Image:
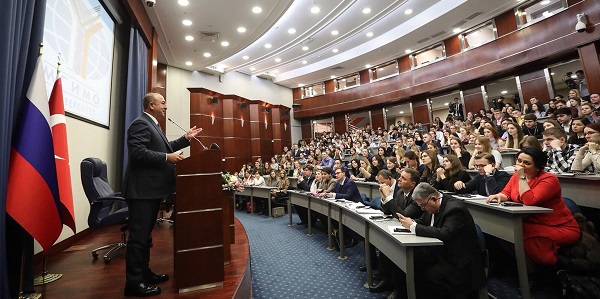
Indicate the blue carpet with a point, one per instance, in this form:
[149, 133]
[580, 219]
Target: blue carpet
[287, 263]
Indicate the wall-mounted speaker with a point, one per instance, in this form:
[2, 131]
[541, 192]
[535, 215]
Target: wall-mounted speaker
[267, 109]
[243, 105]
[214, 100]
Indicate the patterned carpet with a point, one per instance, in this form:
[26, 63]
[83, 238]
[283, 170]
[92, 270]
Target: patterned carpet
[287, 263]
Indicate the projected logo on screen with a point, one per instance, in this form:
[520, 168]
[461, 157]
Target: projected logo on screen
[82, 32]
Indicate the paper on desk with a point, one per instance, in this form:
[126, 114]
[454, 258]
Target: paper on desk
[391, 228]
[367, 211]
[473, 196]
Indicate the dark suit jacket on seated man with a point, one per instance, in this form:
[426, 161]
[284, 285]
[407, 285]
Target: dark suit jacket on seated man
[345, 188]
[149, 178]
[454, 269]
[488, 181]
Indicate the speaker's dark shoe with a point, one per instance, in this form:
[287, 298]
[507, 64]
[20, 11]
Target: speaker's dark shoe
[382, 286]
[363, 268]
[141, 290]
[156, 278]
[351, 243]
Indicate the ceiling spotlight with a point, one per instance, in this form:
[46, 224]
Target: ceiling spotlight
[186, 22]
[291, 31]
[256, 9]
[188, 63]
[268, 46]
[334, 50]
[300, 84]
[408, 11]
[504, 92]
[457, 30]
[315, 9]
[183, 2]
[241, 29]
[367, 65]
[224, 43]
[189, 38]
[245, 57]
[446, 104]
[366, 10]
[545, 2]
[335, 32]
[400, 112]
[331, 77]
[206, 54]
[369, 34]
[304, 48]
[408, 51]
[253, 69]
[304, 62]
[277, 59]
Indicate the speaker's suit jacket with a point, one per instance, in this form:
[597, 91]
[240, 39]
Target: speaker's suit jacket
[458, 262]
[148, 174]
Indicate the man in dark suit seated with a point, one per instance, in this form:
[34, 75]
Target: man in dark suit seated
[402, 203]
[345, 188]
[149, 178]
[488, 181]
[304, 183]
[455, 269]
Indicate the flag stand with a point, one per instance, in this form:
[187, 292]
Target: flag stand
[22, 274]
[46, 277]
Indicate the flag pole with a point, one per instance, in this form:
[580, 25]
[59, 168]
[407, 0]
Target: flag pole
[46, 277]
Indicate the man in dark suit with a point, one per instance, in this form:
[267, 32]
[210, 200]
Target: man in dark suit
[149, 178]
[455, 269]
[304, 183]
[402, 203]
[488, 181]
[344, 188]
[456, 108]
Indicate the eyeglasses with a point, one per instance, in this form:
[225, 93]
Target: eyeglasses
[422, 206]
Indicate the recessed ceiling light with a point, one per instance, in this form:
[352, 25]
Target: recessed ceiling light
[275, 71]
[408, 51]
[331, 77]
[206, 54]
[545, 2]
[446, 104]
[400, 112]
[457, 30]
[300, 84]
[304, 62]
[504, 92]
[304, 48]
[277, 59]
[367, 65]
[366, 10]
[183, 2]
[268, 46]
[256, 9]
[245, 57]
[189, 38]
[241, 29]
[224, 43]
[315, 9]
[551, 74]
[335, 32]
[188, 63]
[334, 50]
[291, 31]
[186, 22]
[253, 69]
[369, 34]
[408, 11]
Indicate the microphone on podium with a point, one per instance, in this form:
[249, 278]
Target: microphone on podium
[184, 130]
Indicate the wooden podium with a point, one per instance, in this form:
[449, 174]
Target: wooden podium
[199, 241]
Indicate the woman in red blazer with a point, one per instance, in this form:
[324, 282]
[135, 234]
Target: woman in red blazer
[543, 234]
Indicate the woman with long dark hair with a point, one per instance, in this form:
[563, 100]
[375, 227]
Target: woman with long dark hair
[451, 172]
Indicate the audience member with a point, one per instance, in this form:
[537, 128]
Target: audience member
[588, 156]
[451, 172]
[531, 126]
[560, 153]
[489, 180]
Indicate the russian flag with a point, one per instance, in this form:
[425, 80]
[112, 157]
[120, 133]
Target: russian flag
[61, 154]
[32, 195]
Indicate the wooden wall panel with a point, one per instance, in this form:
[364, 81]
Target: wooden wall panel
[421, 112]
[329, 86]
[506, 23]
[377, 118]
[473, 99]
[277, 129]
[591, 66]
[404, 64]
[365, 77]
[452, 46]
[297, 93]
[138, 14]
[286, 134]
[306, 127]
[339, 123]
[517, 52]
[534, 85]
[255, 123]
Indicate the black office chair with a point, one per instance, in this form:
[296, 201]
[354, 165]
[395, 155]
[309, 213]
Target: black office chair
[106, 206]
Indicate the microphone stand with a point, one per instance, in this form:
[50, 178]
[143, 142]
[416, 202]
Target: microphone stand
[187, 132]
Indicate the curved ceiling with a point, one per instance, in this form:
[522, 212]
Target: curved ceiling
[303, 41]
